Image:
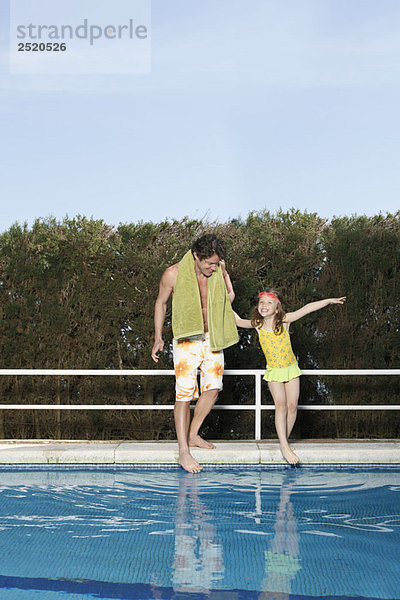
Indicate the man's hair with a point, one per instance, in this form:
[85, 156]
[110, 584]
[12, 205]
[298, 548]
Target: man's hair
[207, 245]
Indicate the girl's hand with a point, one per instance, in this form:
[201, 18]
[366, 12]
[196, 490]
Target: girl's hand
[341, 300]
[228, 282]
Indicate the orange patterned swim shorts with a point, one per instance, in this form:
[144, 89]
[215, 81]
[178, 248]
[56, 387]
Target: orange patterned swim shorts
[191, 354]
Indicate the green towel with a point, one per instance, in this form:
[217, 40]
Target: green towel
[187, 317]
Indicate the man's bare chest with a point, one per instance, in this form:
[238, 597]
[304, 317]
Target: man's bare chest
[203, 291]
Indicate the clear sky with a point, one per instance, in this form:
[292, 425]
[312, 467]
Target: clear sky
[249, 105]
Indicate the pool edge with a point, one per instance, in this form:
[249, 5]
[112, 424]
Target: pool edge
[246, 453]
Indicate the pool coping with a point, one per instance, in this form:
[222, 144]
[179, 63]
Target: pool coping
[329, 452]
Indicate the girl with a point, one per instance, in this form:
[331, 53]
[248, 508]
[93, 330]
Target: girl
[282, 374]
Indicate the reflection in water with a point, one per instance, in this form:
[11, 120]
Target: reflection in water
[222, 535]
[198, 562]
[282, 561]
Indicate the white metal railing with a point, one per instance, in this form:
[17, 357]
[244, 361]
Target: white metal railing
[256, 373]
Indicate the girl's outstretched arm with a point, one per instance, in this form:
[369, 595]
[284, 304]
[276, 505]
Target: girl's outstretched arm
[242, 322]
[312, 307]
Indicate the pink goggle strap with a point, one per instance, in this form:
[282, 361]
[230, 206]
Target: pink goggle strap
[270, 295]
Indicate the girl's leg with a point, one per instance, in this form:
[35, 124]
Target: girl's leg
[278, 392]
[292, 389]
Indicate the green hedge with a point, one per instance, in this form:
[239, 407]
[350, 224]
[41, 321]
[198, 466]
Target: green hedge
[80, 294]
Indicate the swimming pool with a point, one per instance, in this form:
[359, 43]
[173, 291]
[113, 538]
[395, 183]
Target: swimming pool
[234, 534]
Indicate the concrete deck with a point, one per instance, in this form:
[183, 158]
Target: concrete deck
[226, 452]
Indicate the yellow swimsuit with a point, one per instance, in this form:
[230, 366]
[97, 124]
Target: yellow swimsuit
[281, 361]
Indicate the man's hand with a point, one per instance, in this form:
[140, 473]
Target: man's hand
[158, 346]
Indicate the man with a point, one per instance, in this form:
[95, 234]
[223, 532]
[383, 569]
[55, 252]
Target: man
[203, 325]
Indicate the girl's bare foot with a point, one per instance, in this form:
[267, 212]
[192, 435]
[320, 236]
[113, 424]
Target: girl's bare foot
[196, 440]
[289, 455]
[188, 463]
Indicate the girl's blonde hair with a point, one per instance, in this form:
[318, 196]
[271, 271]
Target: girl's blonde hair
[257, 320]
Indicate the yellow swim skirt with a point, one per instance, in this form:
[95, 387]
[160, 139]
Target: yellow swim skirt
[283, 375]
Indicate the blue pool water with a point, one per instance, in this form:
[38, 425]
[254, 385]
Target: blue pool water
[223, 534]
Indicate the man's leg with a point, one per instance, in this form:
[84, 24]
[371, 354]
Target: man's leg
[211, 369]
[186, 359]
[182, 419]
[203, 406]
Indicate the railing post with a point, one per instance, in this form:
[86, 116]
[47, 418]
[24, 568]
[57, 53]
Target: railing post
[258, 407]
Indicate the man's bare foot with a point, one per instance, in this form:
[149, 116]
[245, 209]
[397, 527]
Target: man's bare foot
[188, 463]
[198, 441]
[289, 455]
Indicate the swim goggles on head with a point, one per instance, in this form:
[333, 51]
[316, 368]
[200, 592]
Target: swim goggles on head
[270, 295]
